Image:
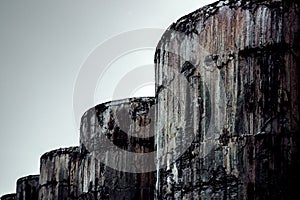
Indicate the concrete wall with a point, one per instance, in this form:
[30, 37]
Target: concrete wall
[59, 174]
[9, 197]
[28, 187]
[125, 124]
[227, 76]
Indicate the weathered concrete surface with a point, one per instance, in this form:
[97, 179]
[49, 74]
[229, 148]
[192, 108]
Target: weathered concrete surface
[229, 79]
[12, 196]
[227, 90]
[127, 125]
[28, 187]
[59, 174]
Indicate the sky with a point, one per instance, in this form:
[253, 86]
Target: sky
[43, 47]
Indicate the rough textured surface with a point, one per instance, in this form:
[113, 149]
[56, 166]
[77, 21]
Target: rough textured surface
[9, 197]
[226, 117]
[121, 122]
[59, 174]
[236, 66]
[28, 187]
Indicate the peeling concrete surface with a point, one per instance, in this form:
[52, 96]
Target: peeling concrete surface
[28, 187]
[59, 174]
[235, 63]
[127, 125]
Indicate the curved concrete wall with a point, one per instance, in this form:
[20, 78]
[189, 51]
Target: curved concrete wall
[9, 197]
[59, 174]
[227, 76]
[125, 124]
[28, 187]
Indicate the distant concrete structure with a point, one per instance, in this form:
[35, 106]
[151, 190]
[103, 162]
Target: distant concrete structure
[28, 187]
[12, 196]
[59, 174]
[126, 124]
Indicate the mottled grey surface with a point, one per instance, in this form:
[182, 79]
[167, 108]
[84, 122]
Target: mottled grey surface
[59, 174]
[230, 74]
[128, 125]
[28, 187]
[79, 173]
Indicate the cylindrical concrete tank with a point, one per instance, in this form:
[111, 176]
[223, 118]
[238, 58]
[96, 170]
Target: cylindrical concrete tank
[117, 147]
[12, 196]
[28, 187]
[227, 82]
[59, 174]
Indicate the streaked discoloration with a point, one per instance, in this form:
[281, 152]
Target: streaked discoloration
[241, 99]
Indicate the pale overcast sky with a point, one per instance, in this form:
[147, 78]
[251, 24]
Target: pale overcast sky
[43, 45]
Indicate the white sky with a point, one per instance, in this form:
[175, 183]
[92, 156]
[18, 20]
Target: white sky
[43, 44]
